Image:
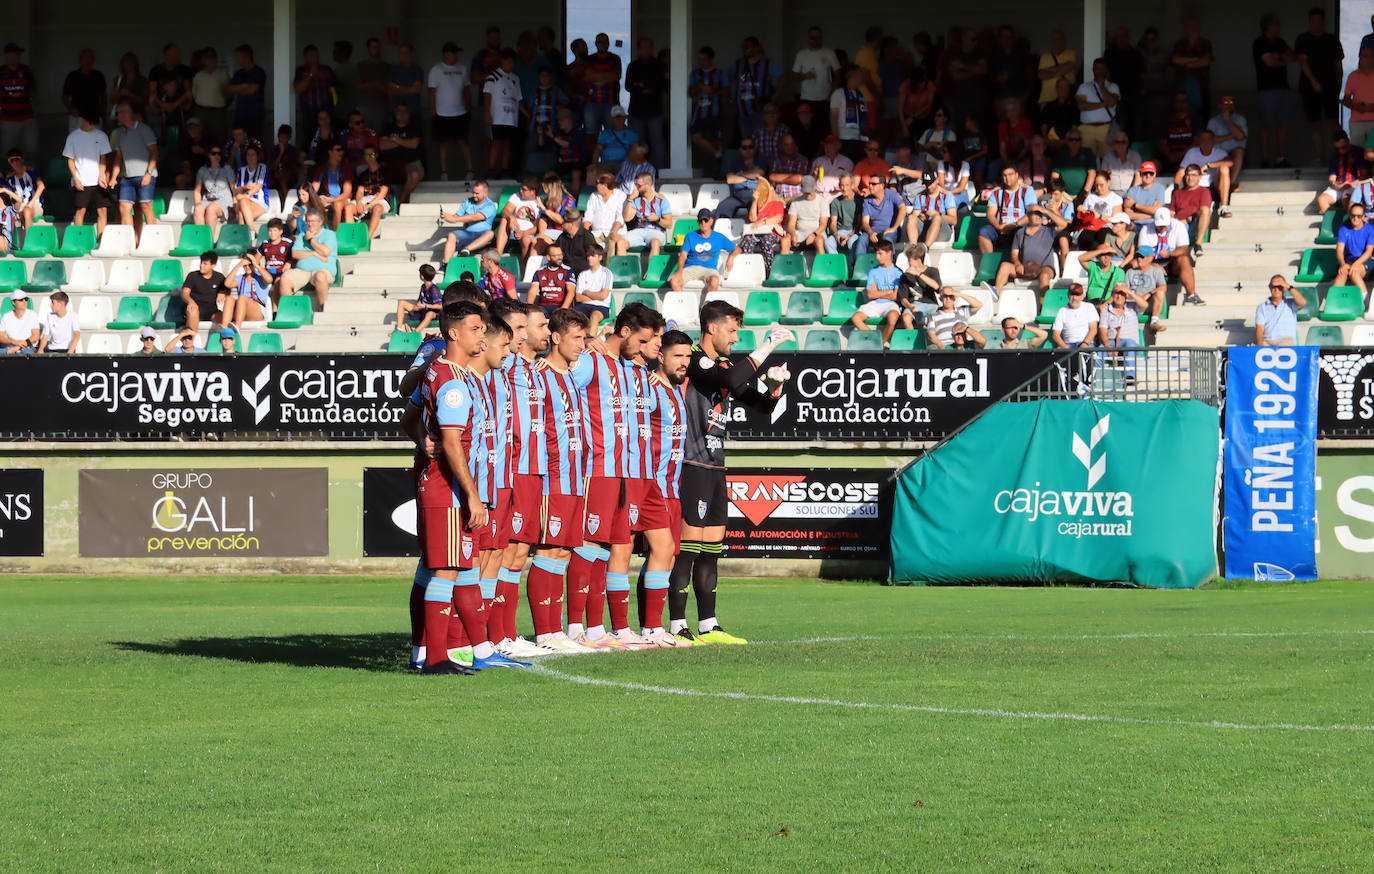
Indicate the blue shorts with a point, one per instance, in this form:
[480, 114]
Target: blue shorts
[463, 238]
[644, 236]
[1003, 239]
[130, 191]
[587, 309]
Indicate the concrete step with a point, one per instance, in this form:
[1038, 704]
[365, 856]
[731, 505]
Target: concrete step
[419, 211]
[380, 264]
[357, 303]
[1298, 237]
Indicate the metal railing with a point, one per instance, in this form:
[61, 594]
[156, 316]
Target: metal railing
[1134, 374]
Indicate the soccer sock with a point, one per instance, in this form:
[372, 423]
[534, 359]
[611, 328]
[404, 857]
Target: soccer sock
[417, 606]
[495, 623]
[639, 592]
[508, 593]
[618, 597]
[458, 630]
[543, 587]
[680, 580]
[704, 584]
[596, 595]
[580, 583]
[655, 593]
[467, 599]
[438, 610]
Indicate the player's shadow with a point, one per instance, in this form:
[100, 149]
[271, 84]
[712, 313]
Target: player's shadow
[359, 652]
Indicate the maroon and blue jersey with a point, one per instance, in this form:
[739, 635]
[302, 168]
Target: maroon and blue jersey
[667, 431]
[445, 399]
[564, 424]
[499, 383]
[708, 105]
[433, 344]
[482, 459]
[598, 378]
[639, 403]
[528, 442]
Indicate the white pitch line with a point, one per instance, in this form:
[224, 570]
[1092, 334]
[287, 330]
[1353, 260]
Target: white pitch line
[1134, 635]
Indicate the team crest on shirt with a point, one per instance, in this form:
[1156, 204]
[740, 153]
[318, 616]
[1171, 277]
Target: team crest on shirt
[453, 398]
[517, 521]
[634, 514]
[701, 509]
[593, 523]
[555, 525]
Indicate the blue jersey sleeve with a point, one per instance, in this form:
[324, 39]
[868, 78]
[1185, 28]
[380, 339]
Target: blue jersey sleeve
[426, 351]
[584, 371]
[453, 404]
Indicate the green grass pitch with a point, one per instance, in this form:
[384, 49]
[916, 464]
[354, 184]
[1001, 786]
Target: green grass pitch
[267, 724]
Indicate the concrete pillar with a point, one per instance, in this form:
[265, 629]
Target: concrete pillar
[1094, 33]
[283, 66]
[679, 105]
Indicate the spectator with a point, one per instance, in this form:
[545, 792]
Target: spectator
[18, 127]
[554, 283]
[1120, 238]
[554, 203]
[815, 68]
[1060, 115]
[1147, 196]
[405, 81]
[1017, 335]
[872, 163]
[345, 75]
[1354, 247]
[1058, 64]
[742, 174]
[1104, 202]
[1192, 64]
[357, 138]
[976, 150]
[9, 220]
[372, 86]
[954, 173]
[1075, 325]
[636, 165]
[316, 253]
[501, 102]
[476, 216]
[603, 87]
[917, 104]
[184, 343]
[1060, 213]
[169, 92]
[1276, 319]
[1215, 167]
[764, 233]
[314, 84]
[550, 53]
[334, 185]
[849, 115]
[1127, 67]
[921, 284]
[370, 194]
[204, 294]
[592, 294]
[1178, 133]
[253, 282]
[907, 173]
[194, 151]
[86, 150]
[520, 219]
[845, 209]
[768, 135]
[828, 168]
[613, 145]
[486, 61]
[1272, 57]
[19, 326]
[755, 77]
[965, 78]
[1036, 167]
[699, 259]
[27, 187]
[574, 78]
[787, 170]
[1098, 102]
[810, 129]
[883, 215]
[1359, 98]
[1319, 55]
[247, 86]
[1103, 275]
[1231, 130]
[84, 90]
[1123, 163]
[1013, 132]
[448, 107]
[235, 150]
[962, 337]
[1193, 204]
[1075, 159]
[931, 212]
[1118, 326]
[576, 241]
[1344, 173]
[134, 165]
[275, 251]
[880, 293]
[1169, 238]
[147, 339]
[1006, 212]
[209, 95]
[648, 217]
[542, 100]
[129, 84]
[805, 219]
[1145, 285]
[567, 143]
[941, 324]
[496, 280]
[401, 152]
[866, 60]
[326, 135]
[1031, 257]
[286, 162]
[709, 88]
[646, 82]
[605, 212]
[306, 199]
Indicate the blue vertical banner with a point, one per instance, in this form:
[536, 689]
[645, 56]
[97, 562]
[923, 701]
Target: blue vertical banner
[1270, 527]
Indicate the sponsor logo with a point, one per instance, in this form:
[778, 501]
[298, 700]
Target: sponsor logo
[1344, 371]
[593, 523]
[800, 496]
[1266, 572]
[854, 394]
[453, 398]
[1083, 451]
[467, 547]
[21, 512]
[257, 399]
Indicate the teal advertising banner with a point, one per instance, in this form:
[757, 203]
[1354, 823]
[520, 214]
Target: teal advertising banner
[1065, 491]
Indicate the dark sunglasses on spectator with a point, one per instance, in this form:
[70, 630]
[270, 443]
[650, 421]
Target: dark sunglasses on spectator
[875, 182]
[1357, 215]
[1279, 287]
[215, 152]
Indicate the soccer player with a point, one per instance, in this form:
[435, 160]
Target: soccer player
[714, 383]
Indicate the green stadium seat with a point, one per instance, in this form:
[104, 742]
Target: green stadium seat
[1309, 310]
[648, 298]
[511, 265]
[262, 234]
[507, 192]
[266, 344]
[1343, 303]
[77, 242]
[822, 340]
[59, 175]
[1331, 223]
[980, 207]
[987, 267]
[165, 275]
[171, 312]
[13, 274]
[863, 341]
[762, 308]
[626, 270]
[1163, 312]
[353, 238]
[584, 198]
[1324, 335]
[746, 342]
[234, 240]
[843, 304]
[659, 269]
[858, 277]
[788, 270]
[460, 264]
[48, 276]
[908, 340]
[160, 198]
[968, 233]
[1055, 299]
[803, 308]
[293, 311]
[788, 346]
[828, 271]
[194, 240]
[681, 228]
[407, 342]
[39, 240]
[135, 311]
[1318, 265]
[993, 336]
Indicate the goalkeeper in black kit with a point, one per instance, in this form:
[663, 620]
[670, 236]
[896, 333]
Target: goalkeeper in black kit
[715, 382]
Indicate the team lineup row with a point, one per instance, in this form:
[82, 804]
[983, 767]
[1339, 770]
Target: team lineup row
[535, 436]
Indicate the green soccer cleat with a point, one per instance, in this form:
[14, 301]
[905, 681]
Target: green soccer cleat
[718, 635]
[461, 656]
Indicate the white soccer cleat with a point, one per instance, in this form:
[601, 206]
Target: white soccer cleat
[524, 649]
[663, 640]
[630, 640]
[564, 645]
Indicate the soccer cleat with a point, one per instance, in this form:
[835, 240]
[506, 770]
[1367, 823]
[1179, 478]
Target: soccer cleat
[523, 649]
[445, 667]
[462, 655]
[496, 660]
[718, 635]
[417, 665]
[562, 644]
[629, 640]
[663, 640]
[685, 635]
[604, 643]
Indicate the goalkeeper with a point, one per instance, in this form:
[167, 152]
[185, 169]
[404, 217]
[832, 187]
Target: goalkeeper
[715, 381]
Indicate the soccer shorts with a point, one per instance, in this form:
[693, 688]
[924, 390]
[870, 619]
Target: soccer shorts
[446, 539]
[648, 507]
[486, 537]
[501, 519]
[526, 508]
[562, 518]
[607, 518]
[703, 496]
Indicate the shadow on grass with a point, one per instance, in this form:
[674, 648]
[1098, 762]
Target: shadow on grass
[359, 652]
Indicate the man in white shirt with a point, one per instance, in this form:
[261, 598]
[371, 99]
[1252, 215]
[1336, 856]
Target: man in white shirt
[829, 167]
[605, 210]
[19, 327]
[448, 107]
[1232, 132]
[1169, 238]
[1216, 168]
[61, 333]
[815, 67]
[501, 99]
[805, 217]
[1075, 325]
[1097, 103]
[86, 150]
[520, 218]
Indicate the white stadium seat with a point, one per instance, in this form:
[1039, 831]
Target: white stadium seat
[1361, 335]
[93, 312]
[116, 241]
[85, 275]
[956, 268]
[533, 266]
[747, 272]
[125, 276]
[103, 344]
[155, 241]
[679, 197]
[179, 207]
[984, 315]
[730, 297]
[682, 308]
[1017, 302]
[710, 194]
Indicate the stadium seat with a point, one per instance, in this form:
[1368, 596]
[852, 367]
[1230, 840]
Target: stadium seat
[234, 240]
[843, 304]
[1318, 265]
[59, 175]
[134, 312]
[1343, 303]
[679, 197]
[353, 238]
[1324, 335]
[39, 240]
[709, 196]
[407, 342]
[584, 198]
[1055, 299]
[170, 312]
[861, 341]
[762, 308]
[293, 311]
[125, 277]
[1073, 272]
[746, 343]
[985, 313]
[648, 298]
[179, 207]
[1145, 149]
[103, 344]
[987, 268]
[1018, 303]
[94, 311]
[505, 194]
[907, 340]
[730, 297]
[858, 277]
[134, 344]
[1362, 335]
[48, 276]
[266, 344]
[1331, 223]
[194, 240]
[828, 271]
[968, 233]
[155, 241]
[117, 241]
[460, 264]
[660, 268]
[165, 275]
[1309, 310]
[824, 340]
[87, 275]
[681, 228]
[13, 274]
[956, 268]
[682, 307]
[533, 265]
[803, 308]
[79, 240]
[993, 338]
[625, 269]
[788, 270]
[511, 265]
[747, 272]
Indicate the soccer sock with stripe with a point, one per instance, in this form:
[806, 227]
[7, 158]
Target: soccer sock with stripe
[704, 584]
[680, 582]
[417, 613]
[618, 598]
[508, 594]
[438, 611]
[596, 596]
[544, 590]
[458, 637]
[580, 569]
[655, 593]
[472, 611]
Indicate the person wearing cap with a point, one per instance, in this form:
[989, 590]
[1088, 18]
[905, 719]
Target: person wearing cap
[577, 240]
[805, 218]
[1120, 239]
[699, 259]
[742, 173]
[932, 211]
[19, 328]
[147, 339]
[447, 86]
[1006, 211]
[1075, 325]
[1276, 319]
[1169, 238]
[1192, 204]
[788, 168]
[613, 143]
[18, 124]
[184, 343]
[228, 337]
[1031, 258]
[1143, 198]
[1215, 166]
[1146, 284]
[1118, 325]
